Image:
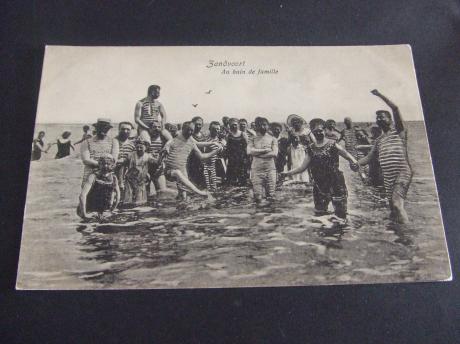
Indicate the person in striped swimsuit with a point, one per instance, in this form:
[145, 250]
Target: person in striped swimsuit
[391, 151]
[149, 109]
[179, 150]
[93, 148]
[348, 135]
[210, 165]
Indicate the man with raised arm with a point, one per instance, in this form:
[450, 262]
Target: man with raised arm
[391, 150]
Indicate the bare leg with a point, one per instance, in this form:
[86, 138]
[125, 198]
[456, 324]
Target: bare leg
[398, 208]
[160, 184]
[184, 180]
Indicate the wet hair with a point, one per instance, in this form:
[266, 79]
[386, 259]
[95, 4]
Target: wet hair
[214, 123]
[261, 120]
[243, 120]
[315, 122]
[152, 87]
[66, 134]
[383, 112]
[86, 128]
[125, 122]
[329, 123]
[196, 118]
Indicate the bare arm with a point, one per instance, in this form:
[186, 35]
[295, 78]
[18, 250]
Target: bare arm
[273, 151]
[301, 168]
[344, 154]
[204, 156]
[399, 125]
[163, 116]
[250, 150]
[137, 116]
[117, 194]
[85, 156]
[368, 157]
[167, 135]
[115, 149]
[84, 194]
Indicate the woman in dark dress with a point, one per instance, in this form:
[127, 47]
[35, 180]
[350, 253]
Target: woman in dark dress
[237, 158]
[38, 146]
[328, 182]
[63, 145]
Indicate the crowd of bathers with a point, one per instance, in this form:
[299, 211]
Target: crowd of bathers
[145, 155]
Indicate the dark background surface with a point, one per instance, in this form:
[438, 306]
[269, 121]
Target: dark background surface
[405, 313]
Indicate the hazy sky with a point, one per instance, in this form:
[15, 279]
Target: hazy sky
[80, 84]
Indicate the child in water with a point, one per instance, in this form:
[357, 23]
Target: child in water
[296, 155]
[137, 176]
[98, 191]
[263, 148]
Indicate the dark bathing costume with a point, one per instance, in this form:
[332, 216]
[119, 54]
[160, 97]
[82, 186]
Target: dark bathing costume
[99, 197]
[195, 167]
[328, 180]
[237, 160]
[63, 149]
[36, 152]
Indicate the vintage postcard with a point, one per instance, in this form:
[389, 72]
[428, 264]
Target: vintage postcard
[214, 167]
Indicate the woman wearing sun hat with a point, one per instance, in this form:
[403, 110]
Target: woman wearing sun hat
[298, 127]
[95, 147]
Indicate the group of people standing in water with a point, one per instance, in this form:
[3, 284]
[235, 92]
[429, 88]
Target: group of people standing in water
[128, 169]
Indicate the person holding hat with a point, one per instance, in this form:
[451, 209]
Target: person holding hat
[98, 190]
[93, 148]
[328, 182]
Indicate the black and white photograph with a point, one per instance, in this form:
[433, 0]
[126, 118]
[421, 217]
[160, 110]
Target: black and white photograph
[223, 167]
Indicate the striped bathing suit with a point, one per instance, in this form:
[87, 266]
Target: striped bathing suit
[179, 151]
[349, 136]
[151, 111]
[392, 156]
[156, 145]
[209, 168]
[96, 148]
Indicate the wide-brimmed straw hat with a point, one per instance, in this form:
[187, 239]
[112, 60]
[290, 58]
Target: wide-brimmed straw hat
[103, 122]
[293, 117]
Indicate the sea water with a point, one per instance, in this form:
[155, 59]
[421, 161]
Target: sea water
[231, 242]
